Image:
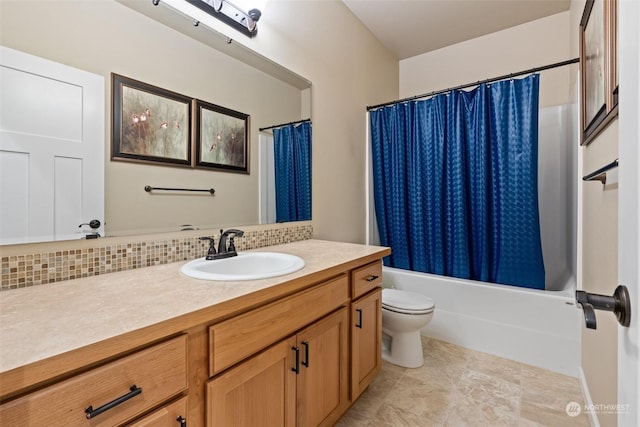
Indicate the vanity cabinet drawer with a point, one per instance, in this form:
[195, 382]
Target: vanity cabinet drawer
[159, 372]
[237, 338]
[171, 415]
[366, 278]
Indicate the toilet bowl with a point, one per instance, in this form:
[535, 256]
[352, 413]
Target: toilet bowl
[403, 315]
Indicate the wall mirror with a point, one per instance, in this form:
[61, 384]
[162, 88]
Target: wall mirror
[161, 46]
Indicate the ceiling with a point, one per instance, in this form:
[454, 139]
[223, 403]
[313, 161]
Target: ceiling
[412, 27]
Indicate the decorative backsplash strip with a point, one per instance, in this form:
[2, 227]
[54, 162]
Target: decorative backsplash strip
[20, 271]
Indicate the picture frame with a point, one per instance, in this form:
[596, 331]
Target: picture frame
[221, 138]
[150, 124]
[613, 46]
[598, 65]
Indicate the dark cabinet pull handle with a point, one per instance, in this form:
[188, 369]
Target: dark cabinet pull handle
[306, 353]
[359, 324]
[182, 420]
[91, 413]
[296, 369]
[371, 278]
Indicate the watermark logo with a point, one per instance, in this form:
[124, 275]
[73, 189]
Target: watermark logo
[608, 408]
[573, 409]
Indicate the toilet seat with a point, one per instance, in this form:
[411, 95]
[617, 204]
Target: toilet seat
[406, 302]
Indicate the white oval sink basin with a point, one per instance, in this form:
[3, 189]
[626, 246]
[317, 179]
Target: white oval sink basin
[245, 266]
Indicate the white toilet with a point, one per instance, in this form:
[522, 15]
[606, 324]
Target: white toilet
[403, 315]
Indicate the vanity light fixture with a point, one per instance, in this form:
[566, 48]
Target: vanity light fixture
[230, 14]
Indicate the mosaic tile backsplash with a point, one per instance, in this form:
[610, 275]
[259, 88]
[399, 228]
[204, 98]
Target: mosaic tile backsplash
[20, 271]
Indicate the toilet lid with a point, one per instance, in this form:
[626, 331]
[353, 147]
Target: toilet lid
[405, 301]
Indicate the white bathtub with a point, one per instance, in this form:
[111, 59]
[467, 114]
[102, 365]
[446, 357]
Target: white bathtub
[540, 328]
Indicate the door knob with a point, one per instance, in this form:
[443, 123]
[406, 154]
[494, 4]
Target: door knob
[619, 303]
[94, 223]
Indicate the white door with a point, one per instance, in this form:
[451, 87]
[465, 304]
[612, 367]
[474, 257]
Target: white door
[628, 209]
[51, 149]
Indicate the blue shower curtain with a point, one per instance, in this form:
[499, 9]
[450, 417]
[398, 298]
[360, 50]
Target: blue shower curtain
[292, 159]
[455, 183]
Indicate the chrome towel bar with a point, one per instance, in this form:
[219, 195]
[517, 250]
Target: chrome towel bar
[601, 174]
[149, 189]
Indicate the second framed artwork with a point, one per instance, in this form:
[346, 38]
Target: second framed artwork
[221, 138]
[156, 126]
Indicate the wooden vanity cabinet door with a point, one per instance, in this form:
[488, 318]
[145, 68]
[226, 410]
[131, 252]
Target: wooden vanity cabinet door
[323, 381]
[366, 341]
[266, 391]
[258, 392]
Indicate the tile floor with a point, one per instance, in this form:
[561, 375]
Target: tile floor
[458, 387]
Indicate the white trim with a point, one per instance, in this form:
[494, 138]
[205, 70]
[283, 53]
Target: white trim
[629, 209]
[367, 182]
[588, 403]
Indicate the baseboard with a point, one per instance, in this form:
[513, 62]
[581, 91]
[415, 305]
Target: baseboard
[588, 403]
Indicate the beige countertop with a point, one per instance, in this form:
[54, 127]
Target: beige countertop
[45, 321]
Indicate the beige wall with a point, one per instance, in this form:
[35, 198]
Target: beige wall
[525, 46]
[347, 66]
[598, 253]
[600, 271]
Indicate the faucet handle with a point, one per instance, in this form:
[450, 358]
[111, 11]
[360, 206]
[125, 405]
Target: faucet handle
[212, 246]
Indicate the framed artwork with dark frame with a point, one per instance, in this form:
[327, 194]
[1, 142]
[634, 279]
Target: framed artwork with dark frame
[149, 124]
[598, 67]
[221, 138]
[612, 18]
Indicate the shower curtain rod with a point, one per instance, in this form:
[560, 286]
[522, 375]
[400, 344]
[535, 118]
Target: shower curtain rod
[284, 124]
[494, 79]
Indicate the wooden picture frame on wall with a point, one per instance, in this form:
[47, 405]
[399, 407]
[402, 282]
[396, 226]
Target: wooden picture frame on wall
[598, 67]
[612, 18]
[221, 138]
[150, 124]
